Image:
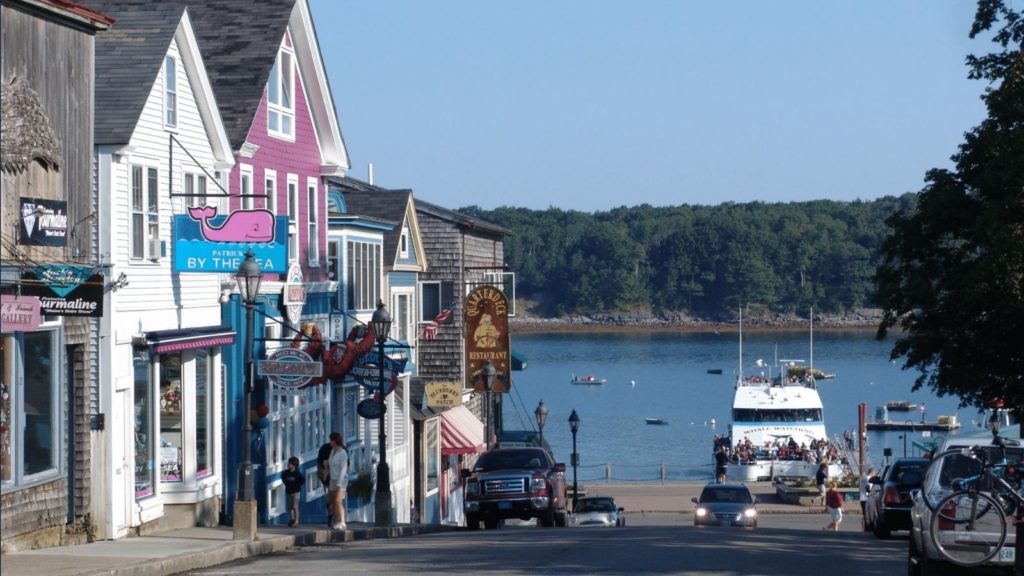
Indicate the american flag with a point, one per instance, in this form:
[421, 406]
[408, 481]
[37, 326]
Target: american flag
[430, 330]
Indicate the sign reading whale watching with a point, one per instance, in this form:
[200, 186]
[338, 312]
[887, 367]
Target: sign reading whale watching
[207, 242]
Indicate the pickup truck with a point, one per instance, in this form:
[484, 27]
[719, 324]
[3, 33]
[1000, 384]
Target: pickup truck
[522, 483]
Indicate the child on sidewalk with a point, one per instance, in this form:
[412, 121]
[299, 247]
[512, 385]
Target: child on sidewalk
[293, 481]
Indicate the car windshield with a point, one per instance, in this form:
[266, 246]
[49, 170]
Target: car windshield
[602, 505]
[528, 458]
[720, 494]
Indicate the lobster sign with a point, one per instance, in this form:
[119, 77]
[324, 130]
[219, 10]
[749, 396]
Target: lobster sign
[339, 359]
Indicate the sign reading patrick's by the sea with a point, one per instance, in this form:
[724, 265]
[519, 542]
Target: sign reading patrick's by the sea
[206, 242]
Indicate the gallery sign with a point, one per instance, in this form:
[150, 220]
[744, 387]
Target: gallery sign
[206, 242]
[19, 313]
[486, 312]
[65, 290]
[43, 222]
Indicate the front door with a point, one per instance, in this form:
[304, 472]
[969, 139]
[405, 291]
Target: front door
[122, 489]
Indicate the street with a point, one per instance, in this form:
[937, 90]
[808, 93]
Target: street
[792, 544]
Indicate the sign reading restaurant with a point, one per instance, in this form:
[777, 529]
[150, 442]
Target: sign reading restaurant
[486, 311]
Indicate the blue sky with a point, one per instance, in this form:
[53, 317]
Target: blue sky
[590, 105]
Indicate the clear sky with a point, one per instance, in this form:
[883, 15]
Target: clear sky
[590, 105]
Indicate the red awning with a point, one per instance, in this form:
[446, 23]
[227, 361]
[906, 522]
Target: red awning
[461, 432]
[165, 341]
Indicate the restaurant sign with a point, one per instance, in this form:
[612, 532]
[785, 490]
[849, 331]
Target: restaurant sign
[486, 312]
[289, 369]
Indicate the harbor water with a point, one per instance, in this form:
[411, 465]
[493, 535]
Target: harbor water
[669, 376]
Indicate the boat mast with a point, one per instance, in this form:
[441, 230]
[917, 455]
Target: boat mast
[739, 377]
[810, 367]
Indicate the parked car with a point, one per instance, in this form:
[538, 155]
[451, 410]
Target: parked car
[598, 511]
[923, 558]
[888, 505]
[725, 504]
[524, 483]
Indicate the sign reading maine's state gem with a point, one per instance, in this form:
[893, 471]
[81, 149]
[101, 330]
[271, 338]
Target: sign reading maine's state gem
[207, 242]
[65, 290]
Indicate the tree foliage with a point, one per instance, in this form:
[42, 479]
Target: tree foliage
[952, 275]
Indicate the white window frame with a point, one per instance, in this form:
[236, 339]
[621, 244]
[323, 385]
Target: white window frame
[293, 218]
[270, 190]
[363, 269]
[313, 222]
[245, 186]
[144, 220]
[423, 308]
[170, 91]
[506, 281]
[403, 243]
[403, 328]
[194, 185]
[281, 96]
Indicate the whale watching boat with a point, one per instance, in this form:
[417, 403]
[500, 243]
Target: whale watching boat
[780, 417]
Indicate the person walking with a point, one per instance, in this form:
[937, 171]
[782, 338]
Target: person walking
[820, 479]
[323, 472]
[721, 461]
[863, 493]
[293, 481]
[338, 464]
[834, 507]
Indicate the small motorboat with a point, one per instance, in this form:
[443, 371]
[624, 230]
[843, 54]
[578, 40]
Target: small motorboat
[717, 371]
[656, 421]
[900, 405]
[589, 379]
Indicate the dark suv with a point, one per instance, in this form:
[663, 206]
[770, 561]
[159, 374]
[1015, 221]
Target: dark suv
[522, 483]
[888, 505]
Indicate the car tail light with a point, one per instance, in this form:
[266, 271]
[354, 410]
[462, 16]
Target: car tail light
[892, 495]
[945, 515]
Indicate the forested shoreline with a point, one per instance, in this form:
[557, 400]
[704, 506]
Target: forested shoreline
[693, 265]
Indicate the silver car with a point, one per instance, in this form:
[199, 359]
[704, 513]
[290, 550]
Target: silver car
[598, 511]
[725, 505]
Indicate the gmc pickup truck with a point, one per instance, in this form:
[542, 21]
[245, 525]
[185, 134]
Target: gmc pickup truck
[519, 483]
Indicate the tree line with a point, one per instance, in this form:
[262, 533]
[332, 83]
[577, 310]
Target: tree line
[701, 261]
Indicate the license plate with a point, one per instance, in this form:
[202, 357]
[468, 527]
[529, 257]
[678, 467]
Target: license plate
[1007, 554]
[508, 506]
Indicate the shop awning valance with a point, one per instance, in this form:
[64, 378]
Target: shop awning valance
[518, 360]
[164, 341]
[461, 432]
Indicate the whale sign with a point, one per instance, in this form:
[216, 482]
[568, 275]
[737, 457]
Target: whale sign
[207, 242]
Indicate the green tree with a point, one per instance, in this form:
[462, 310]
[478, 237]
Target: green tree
[952, 275]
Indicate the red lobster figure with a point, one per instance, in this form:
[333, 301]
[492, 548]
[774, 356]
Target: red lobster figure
[340, 357]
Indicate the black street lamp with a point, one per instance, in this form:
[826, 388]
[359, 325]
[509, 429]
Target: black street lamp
[487, 373]
[574, 425]
[381, 324]
[541, 414]
[248, 278]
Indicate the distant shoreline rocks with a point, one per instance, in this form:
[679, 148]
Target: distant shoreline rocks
[859, 319]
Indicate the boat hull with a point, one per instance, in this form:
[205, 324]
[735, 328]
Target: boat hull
[769, 470]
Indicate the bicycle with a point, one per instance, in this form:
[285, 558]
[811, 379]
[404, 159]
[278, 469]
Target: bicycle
[968, 526]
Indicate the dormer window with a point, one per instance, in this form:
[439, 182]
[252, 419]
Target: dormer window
[281, 96]
[170, 92]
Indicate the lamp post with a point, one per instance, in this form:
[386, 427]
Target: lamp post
[381, 324]
[248, 278]
[541, 413]
[574, 426]
[487, 373]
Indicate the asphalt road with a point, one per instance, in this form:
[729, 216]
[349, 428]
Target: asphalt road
[791, 544]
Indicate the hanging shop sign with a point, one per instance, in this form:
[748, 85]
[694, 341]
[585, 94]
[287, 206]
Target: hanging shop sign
[289, 368]
[367, 371]
[43, 222]
[369, 409]
[65, 289]
[19, 313]
[293, 295]
[207, 242]
[486, 313]
[443, 394]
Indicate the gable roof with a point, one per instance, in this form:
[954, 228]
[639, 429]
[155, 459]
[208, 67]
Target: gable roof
[391, 205]
[465, 223]
[128, 57]
[239, 40]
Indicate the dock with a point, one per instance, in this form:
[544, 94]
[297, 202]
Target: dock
[913, 426]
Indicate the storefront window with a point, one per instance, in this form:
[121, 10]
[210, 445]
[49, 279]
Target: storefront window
[40, 403]
[203, 415]
[171, 464]
[6, 399]
[144, 449]
[430, 431]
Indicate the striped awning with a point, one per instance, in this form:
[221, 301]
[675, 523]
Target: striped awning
[165, 341]
[461, 432]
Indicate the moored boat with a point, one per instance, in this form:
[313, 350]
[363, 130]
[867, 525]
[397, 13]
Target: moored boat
[589, 379]
[656, 421]
[900, 405]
